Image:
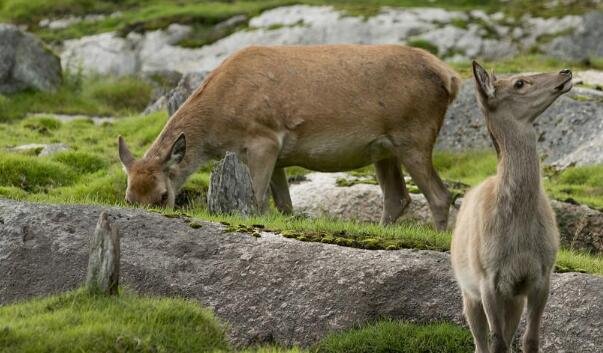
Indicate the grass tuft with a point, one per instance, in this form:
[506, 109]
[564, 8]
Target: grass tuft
[33, 174]
[82, 322]
[393, 336]
[100, 96]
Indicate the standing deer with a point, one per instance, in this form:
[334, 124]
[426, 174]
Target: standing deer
[506, 237]
[325, 108]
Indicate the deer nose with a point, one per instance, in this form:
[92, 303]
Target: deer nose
[566, 72]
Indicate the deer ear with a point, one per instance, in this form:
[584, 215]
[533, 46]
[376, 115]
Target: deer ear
[125, 156]
[177, 152]
[484, 82]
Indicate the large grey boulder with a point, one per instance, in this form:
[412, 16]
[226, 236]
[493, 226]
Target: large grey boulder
[568, 130]
[584, 43]
[102, 54]
[267, 288]
[25, 62]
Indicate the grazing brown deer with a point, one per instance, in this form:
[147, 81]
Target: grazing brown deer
[326, 108]
[506, 237]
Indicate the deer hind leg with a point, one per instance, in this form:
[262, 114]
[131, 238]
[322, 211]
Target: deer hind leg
[419, 165]
[537, 299]
[261, 159]
[280, 191]
[495, 307]
[478, 323]
[395, 194]
[513, 310]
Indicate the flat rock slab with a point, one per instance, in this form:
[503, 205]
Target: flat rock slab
[267, 289]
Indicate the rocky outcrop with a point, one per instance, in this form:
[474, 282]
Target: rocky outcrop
[584, 43]
[230, 190]
[267, 288]
[175, 97]
[570, 130]
[455, 35]
[25, 63]
[580, 227]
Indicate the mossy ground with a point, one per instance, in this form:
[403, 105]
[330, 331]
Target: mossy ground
[77, 321]
[81, 322]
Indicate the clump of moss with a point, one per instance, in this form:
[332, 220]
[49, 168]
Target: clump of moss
[343, 238]
[41, 124]
[33, 174]
[82, 162]
[82, 322]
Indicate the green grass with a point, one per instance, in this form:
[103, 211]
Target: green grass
[77, 321]
[81, 322]
[393, 337]
[470, 167]
[328, 230]
[90, 96]
[580, 184]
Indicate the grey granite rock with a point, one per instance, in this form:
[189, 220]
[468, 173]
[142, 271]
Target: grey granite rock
[187, 85]
[41, 150]
[266, 289]
[584, 43]
[25, 62]
[230, 190]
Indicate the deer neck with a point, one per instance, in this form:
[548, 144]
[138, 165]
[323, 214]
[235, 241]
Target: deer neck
[518, 170]
[194, 156]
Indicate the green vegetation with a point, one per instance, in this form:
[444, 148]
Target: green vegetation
[81, 322]
[77, 95]
[391, 336]
[332, 231]
[578, 184]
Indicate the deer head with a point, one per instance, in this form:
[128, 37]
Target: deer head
[523, 97]
[150, 179]
[511, 104]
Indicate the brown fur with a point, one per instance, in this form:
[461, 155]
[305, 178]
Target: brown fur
[505, 240]
[325, 108]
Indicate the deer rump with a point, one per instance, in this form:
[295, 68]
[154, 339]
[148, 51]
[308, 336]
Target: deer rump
[329, 108]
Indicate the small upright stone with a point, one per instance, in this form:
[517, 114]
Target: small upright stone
[103, 261]
[230, 188]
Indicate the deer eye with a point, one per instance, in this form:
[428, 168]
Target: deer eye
[519, 84]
